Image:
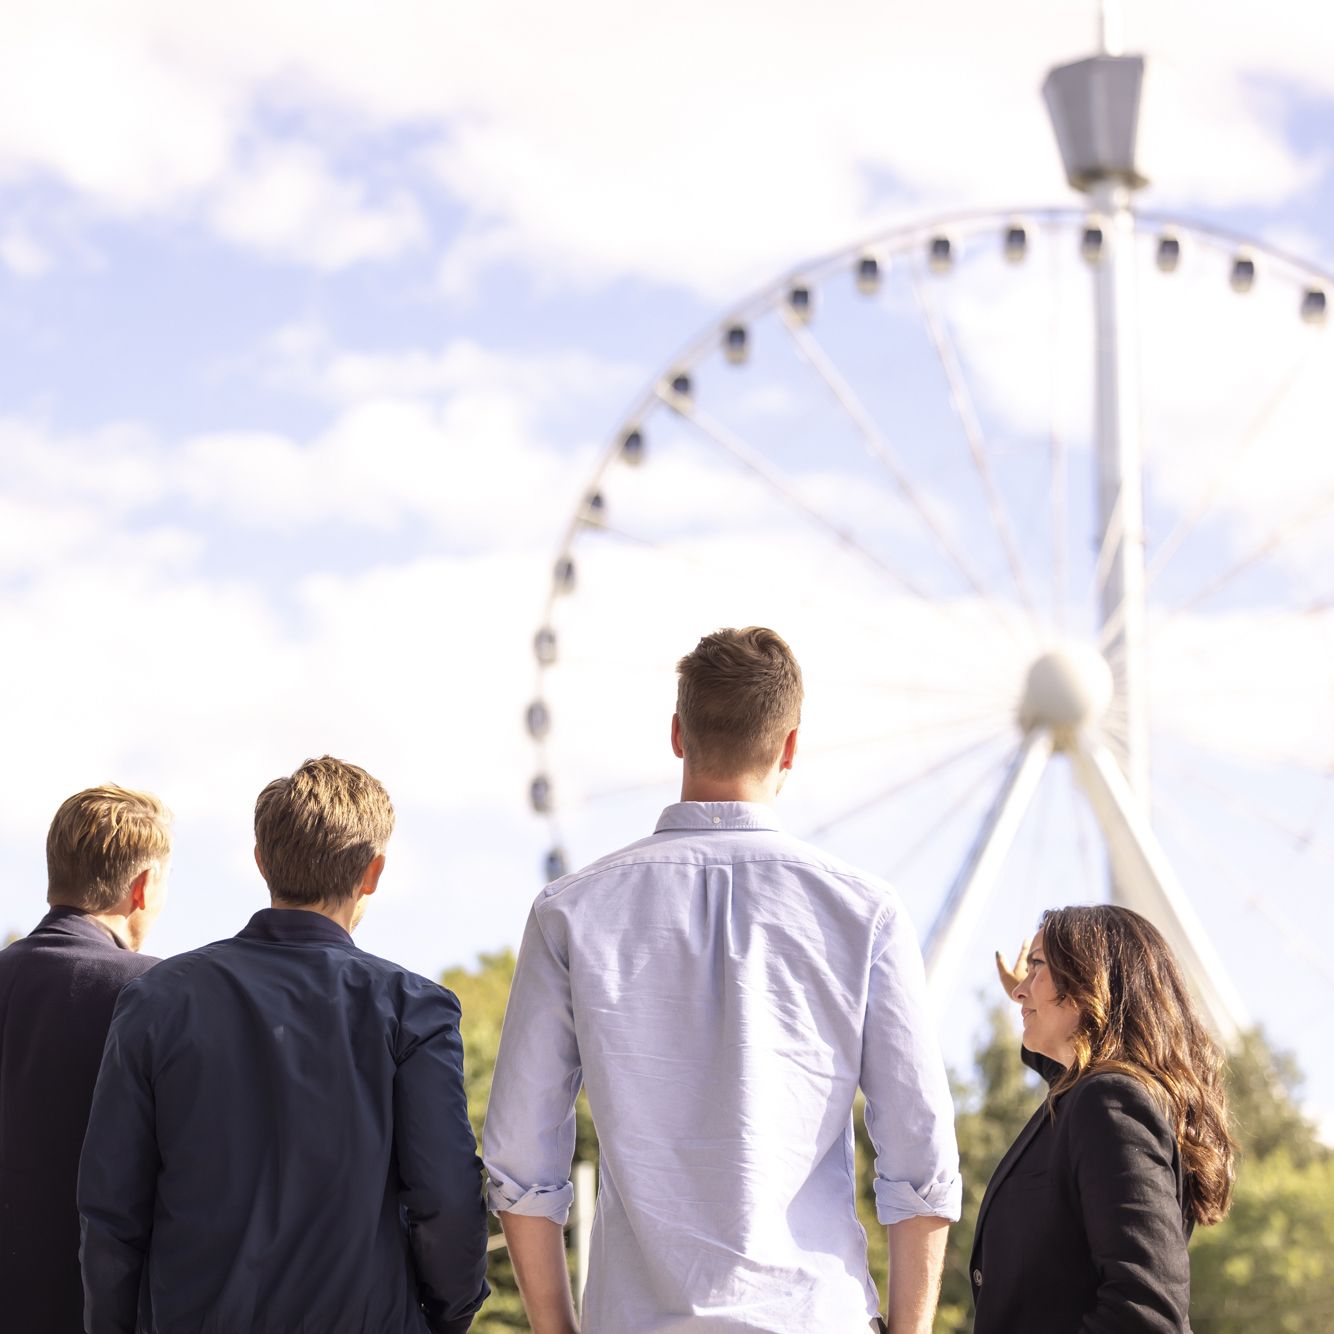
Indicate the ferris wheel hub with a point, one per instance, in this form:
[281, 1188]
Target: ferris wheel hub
[1068, 689]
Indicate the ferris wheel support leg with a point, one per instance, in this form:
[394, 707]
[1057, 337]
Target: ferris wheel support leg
[1120, 497]
[1143, 879]
[983, 863]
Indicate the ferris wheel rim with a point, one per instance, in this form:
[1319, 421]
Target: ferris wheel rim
[769, 300]
[898, 238]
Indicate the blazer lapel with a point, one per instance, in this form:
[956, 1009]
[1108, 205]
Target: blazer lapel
[1006, 1164]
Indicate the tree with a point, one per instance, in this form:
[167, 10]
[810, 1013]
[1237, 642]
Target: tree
[991, 1109]
[482, 995]
[1269, 1264]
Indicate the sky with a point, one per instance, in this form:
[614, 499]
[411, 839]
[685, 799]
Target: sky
[322, 327]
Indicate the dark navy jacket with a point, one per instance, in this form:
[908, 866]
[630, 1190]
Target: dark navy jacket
[58, 987]
[279, 1144]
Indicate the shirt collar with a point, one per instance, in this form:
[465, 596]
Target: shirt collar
[718, 815]
[294, 926]
[80, 922]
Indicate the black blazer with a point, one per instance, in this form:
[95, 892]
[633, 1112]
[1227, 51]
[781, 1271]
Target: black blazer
[279, 1144]
[1083, 1226]
[57, 990]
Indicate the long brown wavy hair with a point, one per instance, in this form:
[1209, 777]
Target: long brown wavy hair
[1137, 1017]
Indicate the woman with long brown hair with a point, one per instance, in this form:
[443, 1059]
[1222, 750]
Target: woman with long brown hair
[1084, 1224]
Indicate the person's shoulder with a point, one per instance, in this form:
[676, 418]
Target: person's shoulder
[1103, 1096]
[133, 965]
[409, 988]
[148, 974]
[817, 860]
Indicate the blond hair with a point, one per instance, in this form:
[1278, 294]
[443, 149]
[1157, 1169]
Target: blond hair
[738, 696]
[100, 839]
[317, 831]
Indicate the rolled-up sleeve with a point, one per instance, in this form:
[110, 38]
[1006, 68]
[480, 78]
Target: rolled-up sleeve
[528, 1143]
[909, 1111]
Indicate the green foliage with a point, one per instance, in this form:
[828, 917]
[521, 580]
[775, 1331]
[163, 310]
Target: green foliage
[482, 995]
[1263, 1090]
[1269, 1266]
[991, 1110]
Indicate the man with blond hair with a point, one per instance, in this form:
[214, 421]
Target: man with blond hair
[106, 855]
[722, 990]
[279, 1140]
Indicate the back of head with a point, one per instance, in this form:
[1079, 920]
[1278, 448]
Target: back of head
[318, 830]
[738, 696]
[99, 841]
[1137, 1016]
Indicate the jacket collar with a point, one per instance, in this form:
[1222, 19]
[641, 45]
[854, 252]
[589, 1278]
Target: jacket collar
[718, 815]
[66, 921]
[294, 926]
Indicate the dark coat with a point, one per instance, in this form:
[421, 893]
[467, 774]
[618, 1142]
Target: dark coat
[1083, 1226]
[57, 990]
[279, 1144]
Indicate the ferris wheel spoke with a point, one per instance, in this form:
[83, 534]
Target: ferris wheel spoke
[1080, 820]
[623, 789]
[962, 402]
[996, 718]
[813, 351]
[1272, 543]
[1236, 635]
[751, 459]
[959, 802]
[1320, 768]
[1173, 542]
[1300, 841]
[1102, 567]
[902, 784]
[1001, 696]
[812, 596]
[1203, 847]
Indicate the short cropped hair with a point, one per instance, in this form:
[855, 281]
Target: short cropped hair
[100, 839]
[738, 696]
[317, 831]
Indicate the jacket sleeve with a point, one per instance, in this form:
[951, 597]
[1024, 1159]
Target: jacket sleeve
[909, 1110]
[439, 1172]
[1124, 1158]
[529, 1139]
[118, 1172]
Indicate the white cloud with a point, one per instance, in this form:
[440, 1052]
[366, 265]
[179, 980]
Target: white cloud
[22, 255]
[302, 356]
[285, 202]
[465, 439]
[704, 147]
[95, 101]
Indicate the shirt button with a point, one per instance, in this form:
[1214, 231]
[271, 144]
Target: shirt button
[717, 819]
[977, 1278]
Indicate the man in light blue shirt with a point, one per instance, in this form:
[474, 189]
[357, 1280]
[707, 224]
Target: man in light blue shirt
[722, 990]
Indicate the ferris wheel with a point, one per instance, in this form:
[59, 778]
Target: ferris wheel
[1044, 500]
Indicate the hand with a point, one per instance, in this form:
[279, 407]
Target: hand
[1012, 975]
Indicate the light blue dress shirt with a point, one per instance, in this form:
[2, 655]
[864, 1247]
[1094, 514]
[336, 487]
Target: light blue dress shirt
[722, 990]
